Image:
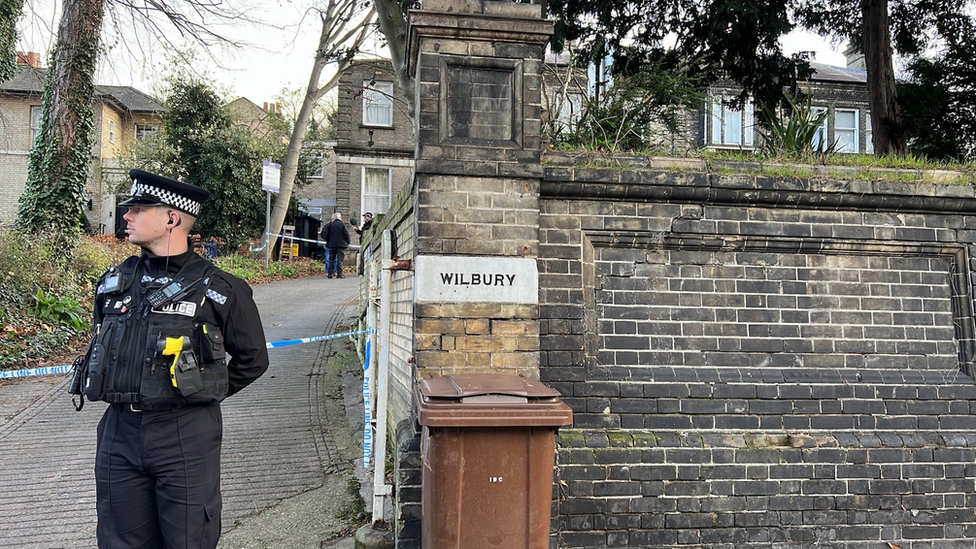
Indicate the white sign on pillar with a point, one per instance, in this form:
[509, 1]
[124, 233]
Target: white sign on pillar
[452, 278]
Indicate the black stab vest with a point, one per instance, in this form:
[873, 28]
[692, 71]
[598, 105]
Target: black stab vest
[126, 364]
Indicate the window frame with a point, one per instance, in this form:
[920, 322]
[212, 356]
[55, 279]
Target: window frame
[868, 134]
[35, 130]
[314, 154]
[570, 111]
[141, 131]
[821, 139]
[367, 205]
[842, 130]
[378, 94]
[721, 116]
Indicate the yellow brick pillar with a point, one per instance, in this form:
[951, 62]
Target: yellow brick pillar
[478, 68]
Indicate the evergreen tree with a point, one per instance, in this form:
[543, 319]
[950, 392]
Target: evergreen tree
[939, 100]
[207, 149]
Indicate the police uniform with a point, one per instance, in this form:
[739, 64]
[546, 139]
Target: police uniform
[165, 326]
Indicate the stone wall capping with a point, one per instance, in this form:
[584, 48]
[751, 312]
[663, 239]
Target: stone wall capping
[491, 27]
[507, 9]
[942, 182]
[565, 177]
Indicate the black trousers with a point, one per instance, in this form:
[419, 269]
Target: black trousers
[157, 478]
[334, 262]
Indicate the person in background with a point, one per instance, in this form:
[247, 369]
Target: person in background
[367, 221]
[336, 237]
[166, 322]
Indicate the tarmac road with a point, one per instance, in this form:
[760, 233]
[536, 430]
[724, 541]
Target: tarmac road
[287, 460]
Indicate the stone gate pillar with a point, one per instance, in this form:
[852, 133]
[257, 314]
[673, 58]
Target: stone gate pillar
[478, 67]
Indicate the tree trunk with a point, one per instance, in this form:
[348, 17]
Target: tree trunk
[394, 28]
[889, 136]
[61, 158]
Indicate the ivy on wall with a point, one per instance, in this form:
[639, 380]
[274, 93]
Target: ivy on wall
[61, 158]
[10, 11]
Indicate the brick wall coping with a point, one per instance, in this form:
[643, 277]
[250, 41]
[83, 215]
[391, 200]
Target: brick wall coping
[591, 176]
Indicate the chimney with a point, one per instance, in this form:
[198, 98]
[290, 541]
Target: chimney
[855, 59]
[266, 106]
[30, 58]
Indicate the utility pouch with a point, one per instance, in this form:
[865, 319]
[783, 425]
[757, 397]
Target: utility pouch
[211, 344]
[185, 374]
[95, 370]
[184, 371]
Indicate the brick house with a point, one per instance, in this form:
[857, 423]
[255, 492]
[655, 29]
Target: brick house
[374, 150]
[841, 91]
[122, 115]
[318, 195]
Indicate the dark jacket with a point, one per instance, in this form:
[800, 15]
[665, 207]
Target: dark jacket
[228, 306]
[365, 227]
[335, 234]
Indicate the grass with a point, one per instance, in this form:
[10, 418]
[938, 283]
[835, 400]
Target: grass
[842, 166]
[832, 166]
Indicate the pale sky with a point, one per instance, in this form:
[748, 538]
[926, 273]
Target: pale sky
[274, 58]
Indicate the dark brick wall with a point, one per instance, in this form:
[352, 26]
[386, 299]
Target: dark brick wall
[750, 370]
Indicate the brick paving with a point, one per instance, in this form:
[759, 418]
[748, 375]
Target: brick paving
[276, 435]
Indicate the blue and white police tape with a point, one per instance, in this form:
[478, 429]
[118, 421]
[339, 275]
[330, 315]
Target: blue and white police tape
[49, 370]
[322, 242]
[287, 342]
[367, 408]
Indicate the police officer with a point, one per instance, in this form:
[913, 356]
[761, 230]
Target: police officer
[164, 321]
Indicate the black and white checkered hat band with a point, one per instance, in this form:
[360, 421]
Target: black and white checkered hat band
[178, 201]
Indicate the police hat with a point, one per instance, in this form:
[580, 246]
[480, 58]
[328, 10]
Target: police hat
[155, 190]
[367, 214]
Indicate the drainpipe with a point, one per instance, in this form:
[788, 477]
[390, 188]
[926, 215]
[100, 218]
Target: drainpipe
[382, 490]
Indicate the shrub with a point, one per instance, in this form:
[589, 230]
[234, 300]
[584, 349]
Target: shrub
[47, 292]
[794, 136]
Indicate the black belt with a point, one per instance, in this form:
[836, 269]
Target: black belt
[139, 408]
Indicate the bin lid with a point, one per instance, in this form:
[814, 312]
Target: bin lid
[489, 400]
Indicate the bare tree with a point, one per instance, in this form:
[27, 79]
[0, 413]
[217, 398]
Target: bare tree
[346, 24]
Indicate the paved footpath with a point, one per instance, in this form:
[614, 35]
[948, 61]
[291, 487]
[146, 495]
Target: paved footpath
[280, 440]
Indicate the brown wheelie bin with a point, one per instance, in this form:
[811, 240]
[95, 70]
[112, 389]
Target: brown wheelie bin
[487, 446]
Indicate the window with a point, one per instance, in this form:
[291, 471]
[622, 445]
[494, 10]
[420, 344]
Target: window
[378, 103]
[315, 162]
[377, 185]
[820, 139]
[570, 111]
[145, 131]
[868, 135]
[111, 131]
[845, 130]
[731, 126]
[35, 125]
